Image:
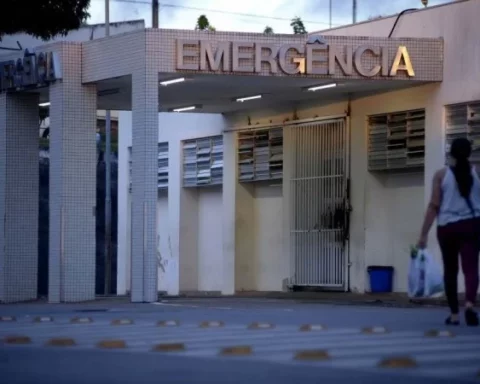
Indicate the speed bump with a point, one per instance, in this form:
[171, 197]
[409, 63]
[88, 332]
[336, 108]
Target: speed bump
[261, 326]
[17, 340]
[81, 320]
[312, 327]
[211, 324]
[112, 344]
[398, 362]
[312, 355]
[171, 347]
[168, 323]
[374, 330]
[437, 333]
[7, 318]
[239, 350]
[61, 342]
[43, 319]
[122, 322]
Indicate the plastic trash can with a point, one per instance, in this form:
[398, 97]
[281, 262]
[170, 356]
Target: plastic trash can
[381, 278]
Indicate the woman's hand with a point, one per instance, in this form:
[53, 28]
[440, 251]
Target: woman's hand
[422, 242]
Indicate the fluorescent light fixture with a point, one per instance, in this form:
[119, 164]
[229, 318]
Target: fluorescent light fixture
[47, 104]
[184, 109]
[319, 87]
[242, 99]
[173, 81]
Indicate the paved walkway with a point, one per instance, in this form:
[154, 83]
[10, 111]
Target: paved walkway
[440, 354]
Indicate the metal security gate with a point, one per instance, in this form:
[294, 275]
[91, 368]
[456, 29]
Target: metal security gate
[319, 205]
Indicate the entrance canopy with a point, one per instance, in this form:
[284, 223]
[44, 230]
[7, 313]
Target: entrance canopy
[217, 72]
[219, 94]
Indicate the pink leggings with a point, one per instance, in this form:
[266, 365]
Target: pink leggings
[460, 238]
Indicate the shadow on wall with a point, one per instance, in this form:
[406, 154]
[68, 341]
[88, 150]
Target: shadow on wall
[100, 226]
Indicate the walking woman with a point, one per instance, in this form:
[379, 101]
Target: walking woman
[455, 203]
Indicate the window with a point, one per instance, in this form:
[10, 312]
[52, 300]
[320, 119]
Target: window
[463, 120]
[162, 166]
[396, 140]
[203, 161]
[260, 155]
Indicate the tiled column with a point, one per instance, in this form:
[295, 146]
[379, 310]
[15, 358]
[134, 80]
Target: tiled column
[73, 158]
[144, 184]
[19, 178]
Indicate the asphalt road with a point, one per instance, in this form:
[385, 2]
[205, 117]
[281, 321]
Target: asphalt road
[345, 354]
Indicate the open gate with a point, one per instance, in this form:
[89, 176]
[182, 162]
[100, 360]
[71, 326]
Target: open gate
[319, 204]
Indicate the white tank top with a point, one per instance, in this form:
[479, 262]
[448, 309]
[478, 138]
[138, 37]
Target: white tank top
[454, 207]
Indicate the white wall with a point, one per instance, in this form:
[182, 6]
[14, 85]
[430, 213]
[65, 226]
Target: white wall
[209, 251]
[189, 222]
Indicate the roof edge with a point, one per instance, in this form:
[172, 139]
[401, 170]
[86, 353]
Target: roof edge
[425, 9]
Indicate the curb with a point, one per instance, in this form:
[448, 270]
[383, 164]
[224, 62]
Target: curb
[369, 300]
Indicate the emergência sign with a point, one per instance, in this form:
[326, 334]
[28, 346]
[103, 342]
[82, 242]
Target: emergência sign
[310, 59]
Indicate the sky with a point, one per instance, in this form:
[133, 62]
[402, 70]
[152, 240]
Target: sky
[251, 15]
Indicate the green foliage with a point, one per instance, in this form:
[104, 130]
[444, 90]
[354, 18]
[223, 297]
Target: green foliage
[268, 30]
[298, 27]
[43, 19]
[203, 24]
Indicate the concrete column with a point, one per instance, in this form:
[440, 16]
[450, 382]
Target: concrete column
[174, 204]
[188, 236]
[288, 163]
[229, 211]
[144, 183]
[73, 159]
[19, 179]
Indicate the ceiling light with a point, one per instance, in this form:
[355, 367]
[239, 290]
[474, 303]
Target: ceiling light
[173, 81]
[242, 99]
[319, 87]
[184, 109]
[47, 104]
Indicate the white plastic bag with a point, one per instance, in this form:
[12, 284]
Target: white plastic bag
[425, 278]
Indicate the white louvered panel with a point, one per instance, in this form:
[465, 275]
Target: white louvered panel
[203, 161]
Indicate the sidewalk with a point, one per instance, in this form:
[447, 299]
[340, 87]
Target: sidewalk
[336, 298]
[340, 298]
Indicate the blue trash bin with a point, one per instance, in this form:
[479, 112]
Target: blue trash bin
[381, 278]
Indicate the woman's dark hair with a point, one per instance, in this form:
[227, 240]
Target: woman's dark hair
[461, 150]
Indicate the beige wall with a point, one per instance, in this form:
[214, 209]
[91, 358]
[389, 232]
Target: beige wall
[387, 208]
[458, 25]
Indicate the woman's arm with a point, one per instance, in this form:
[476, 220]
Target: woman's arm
[432, 209]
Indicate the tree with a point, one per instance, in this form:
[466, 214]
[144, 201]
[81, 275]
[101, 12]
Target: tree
[43, 19]
[203, 24]
[268, 30]
[298, 27]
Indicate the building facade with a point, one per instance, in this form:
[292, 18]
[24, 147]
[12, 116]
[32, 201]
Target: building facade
[310, 161]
